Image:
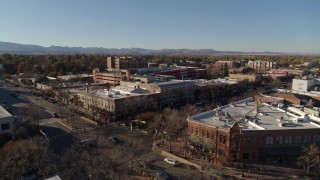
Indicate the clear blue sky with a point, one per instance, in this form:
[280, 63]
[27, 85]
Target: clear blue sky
[243, 25]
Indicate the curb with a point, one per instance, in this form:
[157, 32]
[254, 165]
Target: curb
[89, 120]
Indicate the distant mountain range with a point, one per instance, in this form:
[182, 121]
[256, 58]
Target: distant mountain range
[15, 48]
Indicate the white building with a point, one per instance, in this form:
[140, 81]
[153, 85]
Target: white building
[6, 124]
[304, 84]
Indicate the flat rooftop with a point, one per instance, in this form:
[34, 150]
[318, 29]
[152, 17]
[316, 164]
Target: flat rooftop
[4, 113]
[243, 112]
[117, 92]
[174, 83]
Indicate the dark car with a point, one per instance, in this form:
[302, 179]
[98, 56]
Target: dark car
[163, 174]
[88, 143]
[55, 115]
[115, 140]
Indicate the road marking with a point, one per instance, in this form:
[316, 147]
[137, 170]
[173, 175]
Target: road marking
[53, 125]
[69, 128]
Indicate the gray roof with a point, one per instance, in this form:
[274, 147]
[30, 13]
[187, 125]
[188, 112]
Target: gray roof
[174, 84]
[267, 118]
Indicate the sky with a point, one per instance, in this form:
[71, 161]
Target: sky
[230, 25]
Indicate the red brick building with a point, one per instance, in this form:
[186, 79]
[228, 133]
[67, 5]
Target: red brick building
[248, 131]
[126, 62]
[108, 77]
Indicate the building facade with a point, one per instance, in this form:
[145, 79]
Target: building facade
[120, 101]
[304, 84]
[108, 77]
[249, 77]
[262, 65]
[126, 62]
[255, 132]
[7, 125]
[185, 73]
[229, 64]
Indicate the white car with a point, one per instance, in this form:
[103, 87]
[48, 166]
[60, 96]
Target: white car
[171, 161]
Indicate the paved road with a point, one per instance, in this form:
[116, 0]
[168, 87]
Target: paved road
[56, 130]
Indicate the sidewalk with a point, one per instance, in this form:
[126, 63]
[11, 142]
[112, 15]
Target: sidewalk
[269, 172]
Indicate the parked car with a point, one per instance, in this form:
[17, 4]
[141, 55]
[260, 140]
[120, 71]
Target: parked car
[163, 174]
[171, 161]
[55, 115]
[115, 140]
[88, 143]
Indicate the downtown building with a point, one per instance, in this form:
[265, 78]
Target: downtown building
[254, 130]
[7, 125]
[117, 63]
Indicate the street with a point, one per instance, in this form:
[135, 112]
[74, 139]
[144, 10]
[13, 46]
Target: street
[68, 128]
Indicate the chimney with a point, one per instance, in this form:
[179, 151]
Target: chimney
[256, 106]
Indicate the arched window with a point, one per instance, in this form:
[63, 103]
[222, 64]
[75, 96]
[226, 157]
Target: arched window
[316, 139]
[307, 139]
[269, 140]
[288, 140]
[297, 140]
[279, 140]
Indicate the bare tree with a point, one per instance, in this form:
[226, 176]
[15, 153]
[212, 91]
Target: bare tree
[22, 156]
[310, 157]
[104, 161]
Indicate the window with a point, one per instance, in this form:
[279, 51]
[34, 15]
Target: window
[279, 140]
[245, 156]
[233, 143]
[297, 140]
[223, 139]
[307, 139]
[191, 129]
[244, 141]
[253, 156]
[196, 131]
[269, 140]
[316, 139]
[5, 126]
[288, 140]
[202, 133]
[254, 141]
[207, 134]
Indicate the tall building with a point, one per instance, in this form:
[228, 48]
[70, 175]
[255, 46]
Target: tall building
[112, 77]
[262, 65]
[230, 64]
[126, 62]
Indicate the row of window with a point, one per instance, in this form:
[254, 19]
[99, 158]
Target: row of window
[289, 140]
[222, 138]
[203, 133]
[97, 102]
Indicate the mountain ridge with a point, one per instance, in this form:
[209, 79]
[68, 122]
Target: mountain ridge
[30, 49]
